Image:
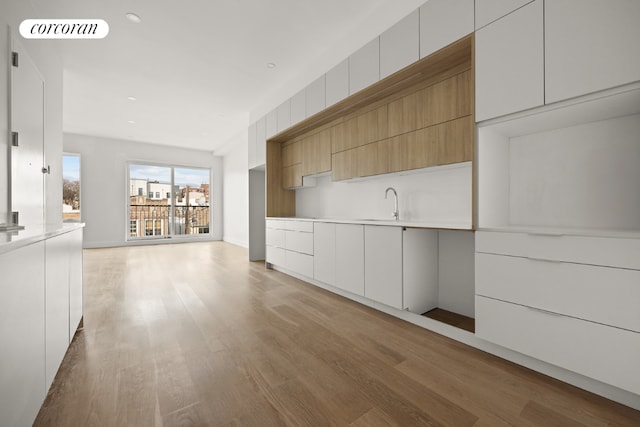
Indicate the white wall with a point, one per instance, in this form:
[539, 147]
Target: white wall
[44, 55]
[236, 191]
[434, 194]
[103, 166]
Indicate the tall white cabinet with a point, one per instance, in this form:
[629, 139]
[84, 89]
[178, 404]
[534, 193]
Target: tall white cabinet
[383, 264]
[590, 45]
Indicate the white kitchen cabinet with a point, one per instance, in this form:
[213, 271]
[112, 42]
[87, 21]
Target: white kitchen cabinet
[275, 255]
[383, 264]
[299, 242]
[316, 96]
[252, 145]
[261, 141]
[22, 334]
[419, 270]
[598, 351]
[76, 293]
[299, 263]
[510, 63]
[283, 113]
[583, 291]
[364, 66]
[488, 11]
[271, 125]
[590, 45]
[275, 237]
[298, 107]
[443, 22]
[56, 303]
[350, 258]
[324, 252]
[337, 83]
[400, 45]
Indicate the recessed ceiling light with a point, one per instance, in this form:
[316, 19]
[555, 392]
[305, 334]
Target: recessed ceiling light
[271, 65]
[132, 98]
[133, 17]
[131, 122]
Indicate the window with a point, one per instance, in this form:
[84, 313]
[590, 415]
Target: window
[71, 188]
[133, 228]
[185, 210]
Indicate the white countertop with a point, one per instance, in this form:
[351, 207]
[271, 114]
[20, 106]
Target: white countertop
[12, 240]
[446, 225]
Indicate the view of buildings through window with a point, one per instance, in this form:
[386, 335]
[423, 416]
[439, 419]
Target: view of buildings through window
[71, 188]
[168, 201]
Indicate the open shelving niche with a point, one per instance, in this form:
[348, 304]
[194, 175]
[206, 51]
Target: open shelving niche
[568, 168]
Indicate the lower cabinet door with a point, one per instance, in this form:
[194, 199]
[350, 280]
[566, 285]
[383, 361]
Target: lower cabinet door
[383, 264]
[324, 252]
[350, 258]
[597, 351]
[275, 256]
[299, 263]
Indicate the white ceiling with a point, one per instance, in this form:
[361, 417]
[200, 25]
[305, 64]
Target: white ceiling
[198, 67]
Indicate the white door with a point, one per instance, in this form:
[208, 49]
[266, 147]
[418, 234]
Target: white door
[27, 119]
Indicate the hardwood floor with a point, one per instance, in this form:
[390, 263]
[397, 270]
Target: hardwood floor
[195, 335]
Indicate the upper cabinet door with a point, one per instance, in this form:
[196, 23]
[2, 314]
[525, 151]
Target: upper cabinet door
[488, 11]
[337, 83]
[271, 123]
[443, 22]
[400, 45]
[284, 115]
[510, 63]
[315, 96]
[364, 66]
[590, 45]
[298, 107]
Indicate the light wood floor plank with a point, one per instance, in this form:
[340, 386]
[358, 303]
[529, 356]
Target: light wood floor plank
[195, 335]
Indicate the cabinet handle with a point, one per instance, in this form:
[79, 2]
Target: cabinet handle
[543, 234]
[553, 261]
[540, 310]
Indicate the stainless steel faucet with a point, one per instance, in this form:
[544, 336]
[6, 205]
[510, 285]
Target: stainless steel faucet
[396, 212]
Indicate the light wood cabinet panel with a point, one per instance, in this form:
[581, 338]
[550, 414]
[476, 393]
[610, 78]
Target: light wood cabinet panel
[344, 165]
[373, 159]
[292, 176]
[316, 96]
[291, 154]
[344, 136]
[316, 153]
[280, 202]
[371, 126]
[441, 102]
[447, 100]
[400, 45]
[337, 83]
[510, 63]
[399, 152]
[455, 141]
[488, 11]
[592, 50]
[444, 21]
[422, 148]
[364, 66]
